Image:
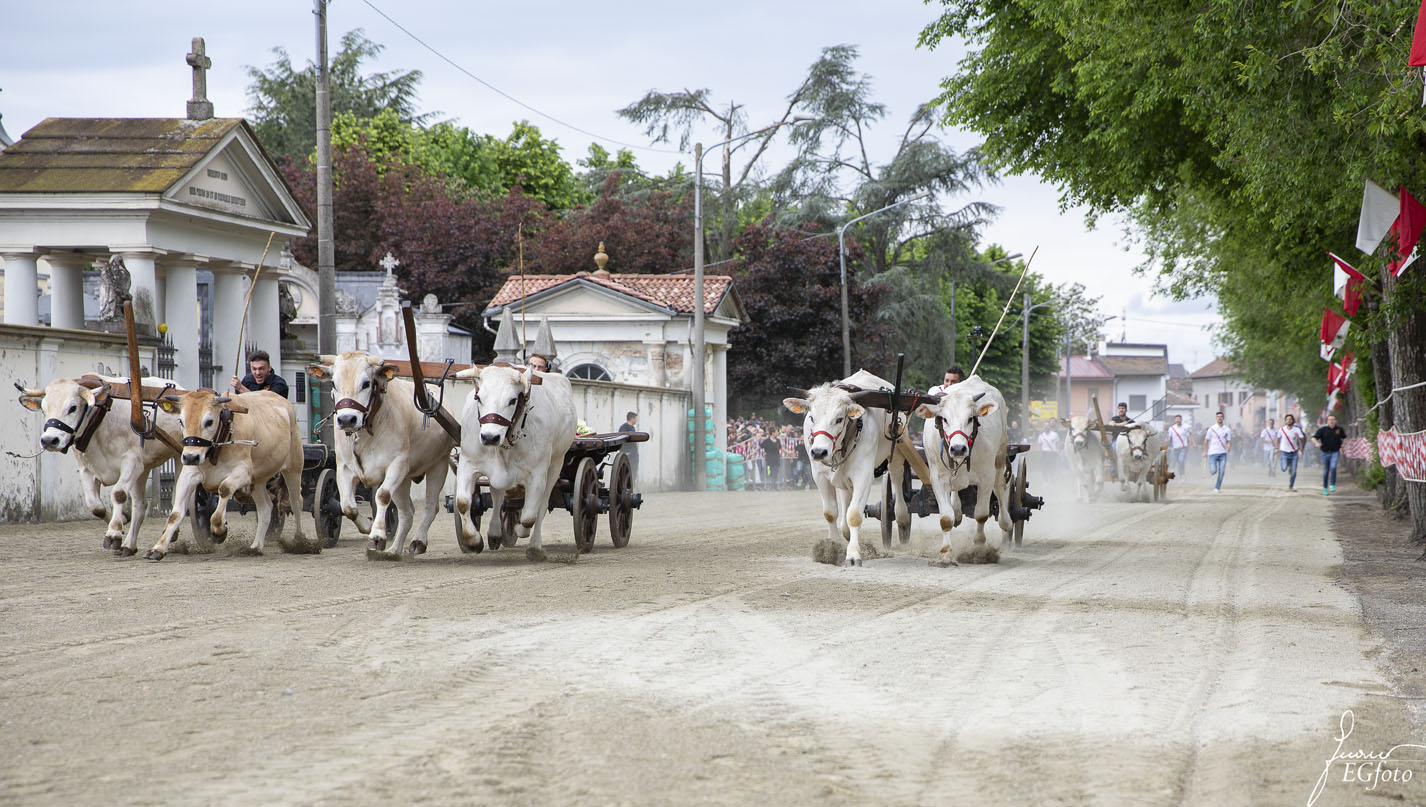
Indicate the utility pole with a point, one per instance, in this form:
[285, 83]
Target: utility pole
[700, 434]
[953, 323]
[1025, 358]
[326, 258]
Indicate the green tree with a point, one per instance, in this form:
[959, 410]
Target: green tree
[282, 98]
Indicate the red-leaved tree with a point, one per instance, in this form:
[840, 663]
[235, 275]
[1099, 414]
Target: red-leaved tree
[644, 233]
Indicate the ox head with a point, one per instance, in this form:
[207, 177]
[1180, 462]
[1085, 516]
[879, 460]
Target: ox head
[501, 393]
[357, 380]
[1137, 438]
[65, 403]
[831, 419]
[202, 413]
[959, 411]
[1078, 436]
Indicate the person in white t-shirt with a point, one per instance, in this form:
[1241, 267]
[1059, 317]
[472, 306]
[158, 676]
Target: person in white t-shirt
[1267, 444]
[1217, 441]
[1289, 446]
[954, 375]
[1178, 443]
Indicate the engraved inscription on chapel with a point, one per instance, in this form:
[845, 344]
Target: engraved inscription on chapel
[219, 188]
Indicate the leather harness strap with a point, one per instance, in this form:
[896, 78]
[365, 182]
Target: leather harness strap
[225, 430]
[377, 393]
[945, 441]
[83, 430]
[498, 419]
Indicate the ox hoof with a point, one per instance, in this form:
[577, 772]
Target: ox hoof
[111, 542]
[154, 554]
[942, 563]
[375, 554]
[219, 534]
[852, 563]
[535, 555]
[376, 545]
[126, 552]
[417, 548]
[497, 541]
[472, 548]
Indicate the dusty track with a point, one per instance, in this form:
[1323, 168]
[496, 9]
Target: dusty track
[1196, 652]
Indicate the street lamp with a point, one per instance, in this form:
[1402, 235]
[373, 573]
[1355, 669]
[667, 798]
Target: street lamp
[700, 435]
[842, 255]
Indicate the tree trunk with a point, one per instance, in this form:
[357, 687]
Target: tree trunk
[1407, 343]
[1389, 491]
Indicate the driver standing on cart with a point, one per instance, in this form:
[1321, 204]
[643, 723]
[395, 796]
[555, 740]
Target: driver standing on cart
[261, 376]
[954, 375]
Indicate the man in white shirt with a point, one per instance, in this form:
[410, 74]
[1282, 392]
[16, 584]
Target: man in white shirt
[1267, 444]
[1289, 444]
[1049, 441]
[954, 375]
[1216, 443]
[1178, 443]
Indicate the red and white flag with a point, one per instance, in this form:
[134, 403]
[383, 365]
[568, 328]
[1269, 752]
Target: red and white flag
[1418, 39]
[1410, 220]
[1379, 212]
[1334, 328]
[1328, 353]
[1346, 284]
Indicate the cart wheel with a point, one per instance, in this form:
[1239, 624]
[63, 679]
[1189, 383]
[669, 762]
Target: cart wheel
[906, 494]
[621, 500]
[327, 508]
[508, 518]
[205, 502]
[1018, 497]
[585, 504]
[277, 489]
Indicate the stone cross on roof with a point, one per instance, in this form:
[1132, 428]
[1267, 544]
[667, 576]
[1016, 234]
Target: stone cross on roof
[199, 107]
[389, 263]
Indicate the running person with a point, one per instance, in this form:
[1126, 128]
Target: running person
[1267, 442]
[1178, 442]
[1217, 441]
[1329, 438]
[1289, 446]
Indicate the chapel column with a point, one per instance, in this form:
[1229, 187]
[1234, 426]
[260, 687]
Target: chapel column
[67, 288]
[22, 288]
[143, 286]
[230, 287]
[181, 314]
[720, 395]
[653, 350]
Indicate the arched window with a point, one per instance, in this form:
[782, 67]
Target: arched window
[592, 372]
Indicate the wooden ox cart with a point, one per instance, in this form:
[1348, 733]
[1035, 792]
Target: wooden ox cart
[921, 501]
[595, 479]
[1159, 473]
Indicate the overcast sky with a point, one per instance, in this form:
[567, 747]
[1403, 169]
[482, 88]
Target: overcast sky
[576, 62]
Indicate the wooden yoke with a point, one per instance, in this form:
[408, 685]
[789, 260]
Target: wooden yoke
[137, 421]
[415, 370]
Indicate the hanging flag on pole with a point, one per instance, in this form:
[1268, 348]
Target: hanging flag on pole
[1409, 223]
[1334, 328]
[1418, 47]
[1328, 353]
[1379, 212]
[1347, 284]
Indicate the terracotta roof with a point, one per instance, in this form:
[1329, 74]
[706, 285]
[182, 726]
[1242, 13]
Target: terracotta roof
[146, 155]
[1175, 399]
[1080, 367]
[674, 292]
[1135, 365]
[1215, 369]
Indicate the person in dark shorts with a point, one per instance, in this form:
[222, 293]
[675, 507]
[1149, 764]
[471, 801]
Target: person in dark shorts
[1329, 438]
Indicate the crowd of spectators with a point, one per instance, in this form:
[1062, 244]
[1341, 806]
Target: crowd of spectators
[774, 457]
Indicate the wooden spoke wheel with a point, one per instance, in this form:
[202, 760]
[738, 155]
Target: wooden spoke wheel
[621, 500]
[888, 510]
[585, 504]
[327, 508]
[1017, 496]
[205, 503]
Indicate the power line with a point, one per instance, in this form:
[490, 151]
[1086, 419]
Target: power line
[510, 97]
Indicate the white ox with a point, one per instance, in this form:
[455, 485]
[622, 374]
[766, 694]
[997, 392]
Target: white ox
[384, 442]
[966, 438]
[1086, 458]
[112, 455]
[846, 442]
[1135, 457]
[255, 436]
[516, 433]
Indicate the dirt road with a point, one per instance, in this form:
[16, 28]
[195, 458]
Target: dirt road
[1199, 652]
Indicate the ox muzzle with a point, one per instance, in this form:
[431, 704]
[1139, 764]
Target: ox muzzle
[57, 435]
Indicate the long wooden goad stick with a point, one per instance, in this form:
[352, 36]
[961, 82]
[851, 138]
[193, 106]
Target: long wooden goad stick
[1008, 303]
[243, 323]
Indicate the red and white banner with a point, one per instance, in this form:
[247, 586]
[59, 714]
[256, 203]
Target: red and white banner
[1379, 212]
[1418, 39]
[1409, 223]
[1346, 284]
[1406, 451]
[1334, 329]
[1357, 448]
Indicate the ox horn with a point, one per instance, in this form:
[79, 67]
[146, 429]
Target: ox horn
[469, 372]
[801, 393]
[29, 393]
[328, 358]
[977, 397]
[222, 399]
[375, 361]
[172, 398]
